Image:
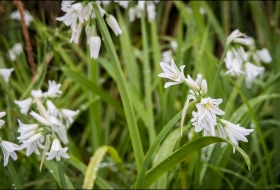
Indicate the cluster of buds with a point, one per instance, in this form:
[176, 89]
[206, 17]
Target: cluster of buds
[238, 61]
[206, 117]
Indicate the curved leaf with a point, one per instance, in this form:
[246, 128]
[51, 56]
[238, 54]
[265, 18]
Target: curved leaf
[181, 154]
[92, 168]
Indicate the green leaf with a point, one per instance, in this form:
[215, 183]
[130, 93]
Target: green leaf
[156, 143]
[122, 86]
[96, 89]
[92, 168]
[52, 167]
[181, 154]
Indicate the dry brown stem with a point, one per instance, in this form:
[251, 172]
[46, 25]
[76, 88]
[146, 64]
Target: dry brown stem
[26, 35]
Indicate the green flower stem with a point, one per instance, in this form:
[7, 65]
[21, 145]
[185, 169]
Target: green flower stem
[258, 128]
[61, 175]
[147, 81]
[214, 84]
[95, 123]
[12, 172]
[122, 86]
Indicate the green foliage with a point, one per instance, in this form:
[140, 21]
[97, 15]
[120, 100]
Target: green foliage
[124, 109]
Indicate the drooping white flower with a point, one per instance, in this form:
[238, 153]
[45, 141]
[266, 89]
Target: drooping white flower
[166, 56]
[233, 132]
[9, 149]
[27, 16]
[59, 128]
[248, 41]
[94, 44]
[57, 151]
[24, 105]
[68, 115]
[2, 122]
[234, 35]
[251, 72]
[32, 147]
[174, 45]
[6, 73]
[15, 51]
[76, 34]
[53, 90]
[123, 4]
[264, 55]
[172, 72]
[233, 64]
[113, 23]
[151, 12]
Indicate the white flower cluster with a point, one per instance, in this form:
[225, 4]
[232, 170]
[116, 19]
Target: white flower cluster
[33, 136]
[15, 51]
[240, 62]
[27, 16]
[59, 119]
[138, 10]
[78, 13]
[205, 118]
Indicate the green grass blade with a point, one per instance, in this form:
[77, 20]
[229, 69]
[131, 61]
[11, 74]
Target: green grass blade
[122, 86]
[93, 87]
[155, 144]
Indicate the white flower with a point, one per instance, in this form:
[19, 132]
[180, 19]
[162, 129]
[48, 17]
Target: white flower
[233, 64]
[15, 51]
[264, 55]
[233, 132]
[68, 115]
[248, 41]
[41, 119]
[76, 34]
[94, 45]
[59, 128]
[166, 56]
[53, 90]
[203, 87]
[192, 84]
[122, 3]
[26, 128]
[113, 23]
[2, 122]
[57, 151]
[6, 73]
[24, 105]
[205, 117]
[27, 16]
[151, 12]
[86, 12]
[72, 14]
[174, 45]
[32, 147]
[37, 93]
[131, 14]
[141, 5]
[198, 79]
[235, 34]
[171, 72]
[102, 11]
[251, 72]
[66, 5]
[8, 149]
